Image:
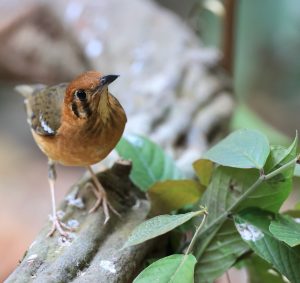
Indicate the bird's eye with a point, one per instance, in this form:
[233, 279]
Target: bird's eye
[81, 95]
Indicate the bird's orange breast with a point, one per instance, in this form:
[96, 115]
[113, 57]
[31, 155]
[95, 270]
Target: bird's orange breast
[78, 145]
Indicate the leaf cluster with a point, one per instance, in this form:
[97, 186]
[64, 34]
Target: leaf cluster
[240, 186]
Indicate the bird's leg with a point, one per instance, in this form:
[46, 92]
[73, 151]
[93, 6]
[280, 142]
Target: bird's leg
[101, 197]
[57, 224]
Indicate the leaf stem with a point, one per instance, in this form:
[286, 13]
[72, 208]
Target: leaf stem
[261, 179]
[189, 249]
[281, 169]
[228, 277]
[191, 245]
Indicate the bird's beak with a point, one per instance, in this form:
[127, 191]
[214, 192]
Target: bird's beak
[106, 80]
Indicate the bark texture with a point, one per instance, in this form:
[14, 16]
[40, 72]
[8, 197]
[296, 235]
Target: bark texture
[94, 251]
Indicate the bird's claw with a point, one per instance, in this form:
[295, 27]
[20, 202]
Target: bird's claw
[101, 198]
[60, 227]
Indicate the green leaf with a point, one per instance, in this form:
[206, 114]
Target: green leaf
[294, 213]
[171, 195]
[157, 226]
[150, 163]
[271, 194]
[241, 149]
[286, 229]
[297, 170]
[203, 169]
[175, 268]
[261, 271]
[280, 155]
[220, 252]
[253, 226]
[219, 245]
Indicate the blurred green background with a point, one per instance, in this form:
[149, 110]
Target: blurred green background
[266, 58]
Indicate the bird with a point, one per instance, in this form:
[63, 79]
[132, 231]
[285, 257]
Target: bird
[75, 124]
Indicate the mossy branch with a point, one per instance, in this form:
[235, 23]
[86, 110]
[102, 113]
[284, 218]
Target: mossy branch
[93, 253]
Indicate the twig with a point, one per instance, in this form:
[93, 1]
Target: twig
[228, 277]
[189, 249]
[228, 35]
[191, 245]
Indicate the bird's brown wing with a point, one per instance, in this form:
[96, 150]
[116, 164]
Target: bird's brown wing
[44, 107]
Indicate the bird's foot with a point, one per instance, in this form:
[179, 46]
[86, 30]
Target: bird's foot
[101, 199]
[60, 227]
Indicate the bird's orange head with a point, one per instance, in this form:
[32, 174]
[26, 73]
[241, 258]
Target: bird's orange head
[87, 94]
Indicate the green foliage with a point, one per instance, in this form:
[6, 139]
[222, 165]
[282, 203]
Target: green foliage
[273, 192]
[175, 268]
[203, 169]
[297, 206]
[217, 250]
[297, 170]
[253, 225]
[157, 226]
[241, 149]
[230, 191]
[249, 184]
[286, 229]
[261, 271]
[150, 163]
[280, 155]
[172, 195]
[219, 244]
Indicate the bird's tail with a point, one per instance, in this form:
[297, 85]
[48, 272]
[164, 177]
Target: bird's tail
[28, 90]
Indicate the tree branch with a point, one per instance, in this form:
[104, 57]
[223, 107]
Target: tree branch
[228, 35]
[93, 253]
